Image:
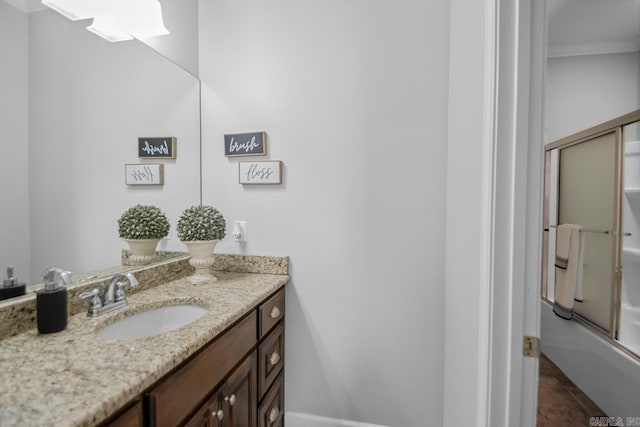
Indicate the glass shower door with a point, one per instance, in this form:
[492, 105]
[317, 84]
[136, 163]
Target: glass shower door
[588, 192]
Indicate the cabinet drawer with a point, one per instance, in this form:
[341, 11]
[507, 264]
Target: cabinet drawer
[178, 396]
[271, 412]
[270, 359]
[270, 312]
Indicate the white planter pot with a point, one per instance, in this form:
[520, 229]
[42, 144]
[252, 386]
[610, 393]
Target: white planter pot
[143, 251]
[202, 259]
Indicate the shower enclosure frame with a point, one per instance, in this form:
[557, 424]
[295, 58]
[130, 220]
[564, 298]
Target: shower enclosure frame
[612, 126]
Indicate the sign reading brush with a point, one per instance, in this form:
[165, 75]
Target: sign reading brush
[157, 148]
[245, 144]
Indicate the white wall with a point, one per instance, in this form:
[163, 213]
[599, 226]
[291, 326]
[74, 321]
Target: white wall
[89, 101]
[353, 96]
[464, 203]
[181, 44]
[583, 91]
[14, 173]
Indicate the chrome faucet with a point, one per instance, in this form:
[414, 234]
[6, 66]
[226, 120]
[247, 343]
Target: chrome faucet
[115, 291]
[112, 297]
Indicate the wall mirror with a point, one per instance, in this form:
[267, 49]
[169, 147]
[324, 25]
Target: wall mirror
[592, 167]
[72, 110]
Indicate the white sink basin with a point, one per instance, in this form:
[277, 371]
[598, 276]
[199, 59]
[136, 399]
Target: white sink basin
[153, 322]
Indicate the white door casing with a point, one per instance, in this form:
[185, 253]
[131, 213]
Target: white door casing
[502, 307]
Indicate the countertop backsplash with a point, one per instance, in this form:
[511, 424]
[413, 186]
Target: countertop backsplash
[19, 315]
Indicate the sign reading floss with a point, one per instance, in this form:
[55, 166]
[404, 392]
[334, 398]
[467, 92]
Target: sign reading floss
[268, 172]
[144, 174]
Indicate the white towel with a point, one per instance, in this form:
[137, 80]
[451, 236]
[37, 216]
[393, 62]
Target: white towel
[568, 260]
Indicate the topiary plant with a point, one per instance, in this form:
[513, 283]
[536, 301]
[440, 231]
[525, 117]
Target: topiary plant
[143, 222]
[201, 223]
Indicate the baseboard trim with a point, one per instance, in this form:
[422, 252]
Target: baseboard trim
[296, 419]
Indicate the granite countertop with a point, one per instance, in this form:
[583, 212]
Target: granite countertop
[76, 378]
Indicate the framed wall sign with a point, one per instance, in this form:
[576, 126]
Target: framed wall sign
[245, 144]
[144, 174]
[267, 172]
[157, 147]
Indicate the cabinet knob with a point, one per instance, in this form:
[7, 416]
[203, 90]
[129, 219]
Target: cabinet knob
[275, 312]
[275, 358]
[273, 414]
[219, 414]
[231, 399]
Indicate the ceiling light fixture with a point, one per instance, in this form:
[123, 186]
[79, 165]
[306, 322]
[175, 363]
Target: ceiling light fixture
[115, 20]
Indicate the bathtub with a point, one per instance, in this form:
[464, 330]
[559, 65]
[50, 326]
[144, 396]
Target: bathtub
[629, 332]
[609, 376]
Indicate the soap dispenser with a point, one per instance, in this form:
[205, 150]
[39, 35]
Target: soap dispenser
[10, 286]
[51, 302]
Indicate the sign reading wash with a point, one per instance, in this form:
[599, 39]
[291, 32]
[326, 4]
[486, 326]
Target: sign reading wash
[245, 144]
[157, 148]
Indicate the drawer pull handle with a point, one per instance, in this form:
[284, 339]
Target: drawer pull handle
[219, 415]
[274, 359]
[275, 312]
[273, 414]
[231, 399]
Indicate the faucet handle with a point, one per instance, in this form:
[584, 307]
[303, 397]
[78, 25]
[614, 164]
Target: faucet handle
[88, 294]
[119, 292]
[96, 302]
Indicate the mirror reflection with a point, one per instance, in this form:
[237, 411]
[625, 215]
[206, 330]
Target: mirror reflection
[180, 46]
[592, 77]
[591, 234]
[72, 110]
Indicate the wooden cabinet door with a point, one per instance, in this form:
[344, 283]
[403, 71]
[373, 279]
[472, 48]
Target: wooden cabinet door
[238, 395]
[178, 395]
[207, 416]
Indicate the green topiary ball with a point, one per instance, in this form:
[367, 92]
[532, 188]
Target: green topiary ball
[143, 222]
[201, 223]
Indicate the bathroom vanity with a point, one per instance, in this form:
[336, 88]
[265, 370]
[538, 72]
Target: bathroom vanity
[223, 369]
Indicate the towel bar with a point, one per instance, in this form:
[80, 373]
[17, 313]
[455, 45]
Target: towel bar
[592, 231]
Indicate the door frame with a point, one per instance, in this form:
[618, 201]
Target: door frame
[502, 109]
[518, 196]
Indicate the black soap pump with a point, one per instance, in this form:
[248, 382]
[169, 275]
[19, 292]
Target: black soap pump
[10, 287]
[51, 302]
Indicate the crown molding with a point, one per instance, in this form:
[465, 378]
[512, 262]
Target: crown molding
[27, 6]
[597, 48]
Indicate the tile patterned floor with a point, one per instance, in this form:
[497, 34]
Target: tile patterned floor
[560, 402]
